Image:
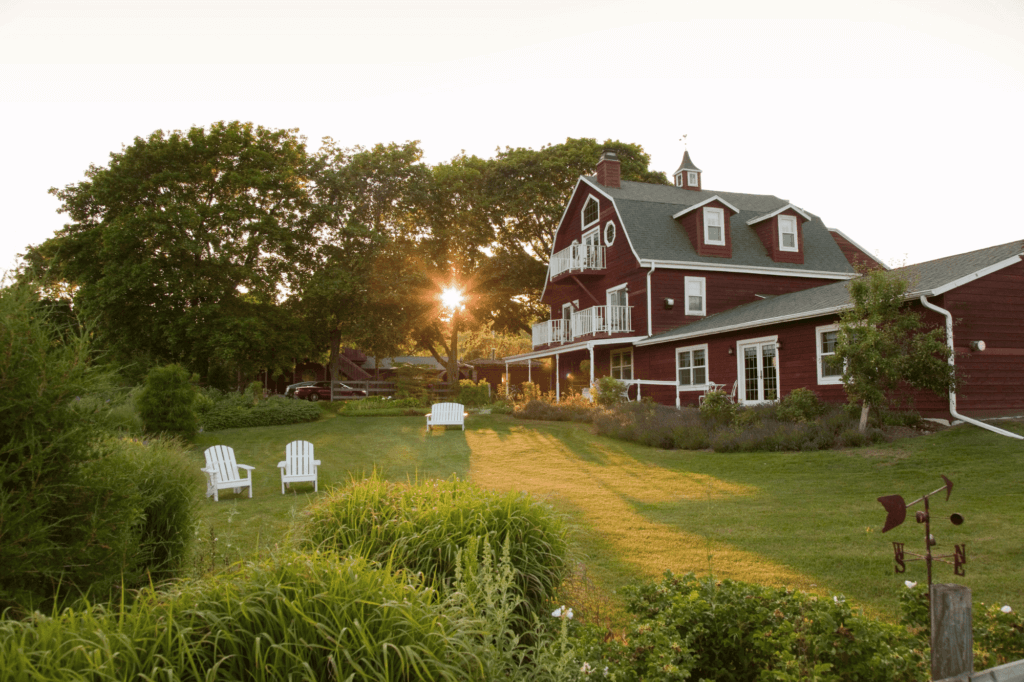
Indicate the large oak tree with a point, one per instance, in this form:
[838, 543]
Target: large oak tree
[184, 246]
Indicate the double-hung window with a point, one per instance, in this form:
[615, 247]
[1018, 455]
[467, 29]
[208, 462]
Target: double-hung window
[691, 178]
[692, 367]
[787, 233]
[830, 367]
[714, 226]
[695, 295]
[622, 364]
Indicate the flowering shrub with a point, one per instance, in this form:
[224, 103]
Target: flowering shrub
[999, 636]
[689, 628]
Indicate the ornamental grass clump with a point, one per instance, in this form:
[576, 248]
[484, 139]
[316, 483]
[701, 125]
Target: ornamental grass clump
[689, 628]
[573, 407]
[421, 527]
[298, 617]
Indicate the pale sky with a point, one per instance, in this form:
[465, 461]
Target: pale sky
[896, 121]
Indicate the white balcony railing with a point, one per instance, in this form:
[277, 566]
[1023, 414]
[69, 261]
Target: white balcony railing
[552, 331]
[577, 258]
[600, 319]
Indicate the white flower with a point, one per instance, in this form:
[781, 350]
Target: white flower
[585, 668]
[606, 671]
[557, 613]
[568, 614]
[910, 584]
[1006, 609]
[838, 599]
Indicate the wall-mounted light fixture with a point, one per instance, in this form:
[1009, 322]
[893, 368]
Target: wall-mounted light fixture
[778, 345]
[730, 350]
[978, 345]
[669, 302]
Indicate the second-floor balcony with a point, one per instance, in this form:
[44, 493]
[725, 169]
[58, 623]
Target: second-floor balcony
[599, 319]
[578, 258]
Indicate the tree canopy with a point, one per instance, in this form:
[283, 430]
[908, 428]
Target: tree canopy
[231, 245]
[885, 345]
[183, 247]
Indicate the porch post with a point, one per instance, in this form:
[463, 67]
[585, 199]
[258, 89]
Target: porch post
[558, 377]
[590, 347]
[507, 384]
[529, 371]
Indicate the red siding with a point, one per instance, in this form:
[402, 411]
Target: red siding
[855, 255]
[724, 290]
[768, 233]
[990, 309]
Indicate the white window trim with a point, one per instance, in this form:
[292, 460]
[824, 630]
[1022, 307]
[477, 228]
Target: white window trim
[679, 179]
[818, 331]
[692, 179]
[611, 224]
[796, 234]
[703, 296]
[583, 211]
[721, 212]
[707, 368]
[741, 385]
[611, 365]
[591, 233]
[608, 292]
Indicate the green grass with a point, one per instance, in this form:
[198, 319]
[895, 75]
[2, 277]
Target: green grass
[806, 520]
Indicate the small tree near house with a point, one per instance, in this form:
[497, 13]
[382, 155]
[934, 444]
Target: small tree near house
[885, 346]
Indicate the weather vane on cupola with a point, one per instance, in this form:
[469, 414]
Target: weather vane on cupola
[683, 140]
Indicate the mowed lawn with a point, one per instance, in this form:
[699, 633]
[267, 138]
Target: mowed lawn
[806, 520]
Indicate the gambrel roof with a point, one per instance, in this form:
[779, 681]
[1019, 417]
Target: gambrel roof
[926, 279]
[647, 209]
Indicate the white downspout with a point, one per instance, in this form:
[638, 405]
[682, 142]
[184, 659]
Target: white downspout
[558, 388]
[952, 393]
[650, 322]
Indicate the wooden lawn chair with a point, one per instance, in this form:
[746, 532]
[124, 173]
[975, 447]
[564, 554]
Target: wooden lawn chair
[447, 414]
[298, 465]
[222, 472]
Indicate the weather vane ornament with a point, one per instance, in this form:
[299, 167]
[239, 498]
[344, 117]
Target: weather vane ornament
[896, 513]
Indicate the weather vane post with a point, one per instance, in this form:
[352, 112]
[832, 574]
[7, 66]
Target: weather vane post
[949, 606]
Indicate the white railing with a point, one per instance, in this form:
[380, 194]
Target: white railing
[600, 319]
[552, 331]
[576, 258]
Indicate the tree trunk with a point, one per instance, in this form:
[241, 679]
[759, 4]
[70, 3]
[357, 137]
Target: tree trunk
[334, 363]
[864, 409]
[453, 355]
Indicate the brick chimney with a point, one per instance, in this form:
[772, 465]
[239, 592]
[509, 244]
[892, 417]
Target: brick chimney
[608, 169]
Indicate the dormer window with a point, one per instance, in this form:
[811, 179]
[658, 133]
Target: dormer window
[714, 226]
[691, 178]
[787, 233]
[591, 212]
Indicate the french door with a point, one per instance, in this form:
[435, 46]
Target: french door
[758, 371]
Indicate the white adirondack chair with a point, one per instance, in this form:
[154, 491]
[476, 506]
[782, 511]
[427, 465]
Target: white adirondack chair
[447, 414]
[298, 464]
[222, 472]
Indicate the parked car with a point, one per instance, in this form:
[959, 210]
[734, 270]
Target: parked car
[289, 391]
[321, 390]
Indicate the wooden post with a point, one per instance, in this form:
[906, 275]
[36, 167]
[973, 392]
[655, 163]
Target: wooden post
[952, 637]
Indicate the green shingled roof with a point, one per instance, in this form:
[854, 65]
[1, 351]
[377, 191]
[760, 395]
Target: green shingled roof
[647, 211]
[925, 279]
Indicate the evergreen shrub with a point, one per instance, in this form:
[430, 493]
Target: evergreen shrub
[275, 411]
[609, 391]
[44, 371]
[421, 527]
[166, 403]
[473, 394]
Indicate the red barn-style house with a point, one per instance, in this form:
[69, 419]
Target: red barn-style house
[678, 289]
